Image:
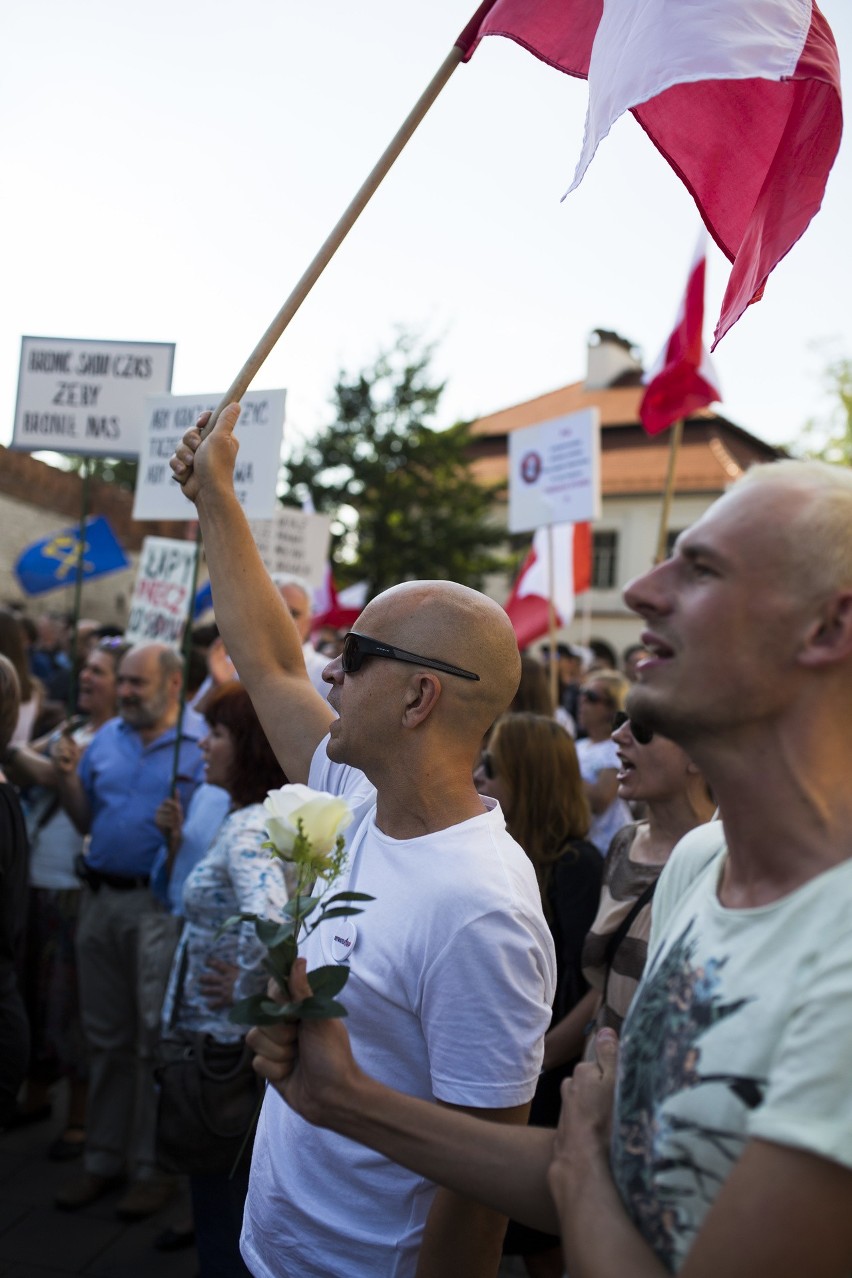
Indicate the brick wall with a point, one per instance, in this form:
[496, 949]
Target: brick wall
[36, 500]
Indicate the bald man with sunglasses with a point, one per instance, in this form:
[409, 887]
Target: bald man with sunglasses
[452, 965]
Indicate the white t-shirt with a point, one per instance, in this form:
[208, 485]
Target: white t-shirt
[741, 1028]
[595, 757]
[452, 978]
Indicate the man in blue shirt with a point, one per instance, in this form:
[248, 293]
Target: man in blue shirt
[112, 794]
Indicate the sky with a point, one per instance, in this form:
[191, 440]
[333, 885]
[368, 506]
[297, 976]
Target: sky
[169, 171]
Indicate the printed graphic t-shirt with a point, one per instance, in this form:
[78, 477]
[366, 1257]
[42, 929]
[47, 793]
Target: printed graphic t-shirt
[741, 1028]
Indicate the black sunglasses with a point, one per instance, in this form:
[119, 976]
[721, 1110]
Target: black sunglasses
[357, 647]
[594, 698]
[641, 735]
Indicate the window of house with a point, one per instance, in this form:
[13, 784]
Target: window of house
[604, 560]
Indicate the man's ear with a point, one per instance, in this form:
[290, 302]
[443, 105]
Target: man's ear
[422, 693]
[829, 639]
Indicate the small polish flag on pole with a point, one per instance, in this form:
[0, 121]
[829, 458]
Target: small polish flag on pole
[570, 570]
[683, 378]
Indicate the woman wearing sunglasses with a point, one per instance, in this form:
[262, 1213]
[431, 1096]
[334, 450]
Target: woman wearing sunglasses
[530, 768]
[601, 696]
[658, 773]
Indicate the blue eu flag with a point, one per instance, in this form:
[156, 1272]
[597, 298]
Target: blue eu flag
[53, 561]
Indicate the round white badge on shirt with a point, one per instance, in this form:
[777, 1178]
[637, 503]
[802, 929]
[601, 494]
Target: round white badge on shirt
[343, 940]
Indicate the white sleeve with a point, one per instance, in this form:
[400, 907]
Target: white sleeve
[808, 1101]
[486, 1006]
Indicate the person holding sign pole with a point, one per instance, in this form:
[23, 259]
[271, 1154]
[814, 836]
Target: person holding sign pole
[113, 794]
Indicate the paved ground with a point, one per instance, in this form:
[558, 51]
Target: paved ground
[37, 1241]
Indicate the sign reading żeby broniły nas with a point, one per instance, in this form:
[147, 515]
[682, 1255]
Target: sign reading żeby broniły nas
[87, 397]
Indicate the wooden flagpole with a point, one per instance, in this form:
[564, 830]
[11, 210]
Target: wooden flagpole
[674, 449]
[247, 373]
[551, 615]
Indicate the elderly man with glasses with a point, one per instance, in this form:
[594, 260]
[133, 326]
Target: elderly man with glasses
[452, 967]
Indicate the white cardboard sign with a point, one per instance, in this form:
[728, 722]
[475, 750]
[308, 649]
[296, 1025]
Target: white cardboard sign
[87, 397]
[259, 431]
[162, 595]
[294, 542]
[554, 472]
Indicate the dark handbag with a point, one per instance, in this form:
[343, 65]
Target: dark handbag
[208, 1101]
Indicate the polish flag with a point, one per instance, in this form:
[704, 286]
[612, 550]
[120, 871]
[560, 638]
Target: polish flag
[527, 605]
[338, 609]
[683, 378]
[741, 97]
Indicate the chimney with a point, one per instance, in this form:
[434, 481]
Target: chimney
[612, 361]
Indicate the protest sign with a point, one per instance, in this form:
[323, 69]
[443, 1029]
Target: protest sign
[163, 592]
[294, 542]
[52, 561]
[168, 417]
[87, 397]
[554, 472]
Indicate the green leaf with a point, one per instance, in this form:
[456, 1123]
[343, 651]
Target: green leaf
[328, 980]
[246, 1011]
[233, 921]
[321, 1009]
[285, 952]
[349, 896]
[271, 933]
[260, 1010]
[278, 965]
[302, 906]
[339, 912]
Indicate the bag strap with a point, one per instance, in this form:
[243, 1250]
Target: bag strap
[623, 928]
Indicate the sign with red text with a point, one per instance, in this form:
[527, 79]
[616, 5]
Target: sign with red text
[554, 472]
[163, 592]
[259, 431]
[87, 397]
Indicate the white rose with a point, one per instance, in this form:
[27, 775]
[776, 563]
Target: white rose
[323, 817]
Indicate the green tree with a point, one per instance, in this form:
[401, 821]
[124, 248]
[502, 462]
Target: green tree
[831, 439]
[110, 470]
[404, 501]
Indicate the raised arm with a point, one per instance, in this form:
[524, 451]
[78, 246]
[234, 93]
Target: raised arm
[66, 756]
[254, 622]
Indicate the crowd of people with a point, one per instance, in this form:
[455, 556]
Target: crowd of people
[601, 989]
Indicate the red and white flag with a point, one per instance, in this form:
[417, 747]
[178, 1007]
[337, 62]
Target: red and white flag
[742, 97]
[683, 378]
[338, 609]
[527, 605]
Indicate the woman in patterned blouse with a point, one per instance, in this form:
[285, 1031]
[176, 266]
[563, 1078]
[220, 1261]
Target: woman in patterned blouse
[211, 971]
